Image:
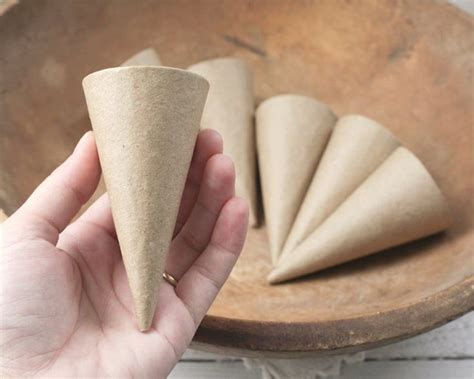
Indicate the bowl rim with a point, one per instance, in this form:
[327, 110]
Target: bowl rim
[251, 338]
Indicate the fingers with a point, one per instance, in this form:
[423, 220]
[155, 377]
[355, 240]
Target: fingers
[200, 284]
[208, 143]
[99, 214]
[60, 196]
[216, 189]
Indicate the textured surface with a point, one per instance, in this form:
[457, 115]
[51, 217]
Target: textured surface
[146, 57]
[229, 110]
[399, 202]
[407, 64]
[145, 121]
[292, 132]
[357, 146]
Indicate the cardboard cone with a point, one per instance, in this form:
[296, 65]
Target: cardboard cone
[292, 132]
[398, 203]
[147, 57]
[358, 145]
[145, 121]
[229, 110]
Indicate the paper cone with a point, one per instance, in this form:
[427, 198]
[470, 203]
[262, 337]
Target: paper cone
[145, 121]
[147, 57]
[292, 132]
[229, 110]
[358, 145]
[398, 203]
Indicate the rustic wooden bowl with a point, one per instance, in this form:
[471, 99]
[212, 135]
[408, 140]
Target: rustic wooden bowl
[406, 64]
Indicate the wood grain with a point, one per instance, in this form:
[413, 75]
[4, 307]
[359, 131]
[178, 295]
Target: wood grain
[406, 64]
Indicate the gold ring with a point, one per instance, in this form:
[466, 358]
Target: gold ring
[170, 279]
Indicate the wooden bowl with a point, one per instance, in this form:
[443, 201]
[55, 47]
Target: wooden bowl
[406, 64]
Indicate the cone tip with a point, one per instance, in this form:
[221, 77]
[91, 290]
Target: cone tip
[144, 322]
[284, 270]
[276, 276]
[145, 307]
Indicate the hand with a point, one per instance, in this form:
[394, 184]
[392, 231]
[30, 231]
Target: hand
[65, 305]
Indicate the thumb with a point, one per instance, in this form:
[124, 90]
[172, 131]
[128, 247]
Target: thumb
[59, 197]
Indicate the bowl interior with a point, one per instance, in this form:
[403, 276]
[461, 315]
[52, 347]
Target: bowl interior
[382, 59]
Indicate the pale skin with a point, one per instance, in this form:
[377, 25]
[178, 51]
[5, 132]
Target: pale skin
[65, 304]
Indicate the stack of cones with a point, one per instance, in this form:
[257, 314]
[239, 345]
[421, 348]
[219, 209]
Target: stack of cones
[367, 194]
[292, 132]
[357, 147]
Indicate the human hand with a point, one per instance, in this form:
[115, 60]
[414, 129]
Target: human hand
[65, 304]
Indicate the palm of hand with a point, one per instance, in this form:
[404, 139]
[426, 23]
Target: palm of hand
[84, 310]
[67, 308]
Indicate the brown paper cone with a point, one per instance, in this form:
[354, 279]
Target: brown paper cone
[399, 202]
[145, 121]
[229, 110]
[358, 145]
[292, 132]
[147, 57]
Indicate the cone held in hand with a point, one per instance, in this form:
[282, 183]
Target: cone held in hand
[358, 145]
[145, 121]
[399, 202]
[292, 132]
[229, 109]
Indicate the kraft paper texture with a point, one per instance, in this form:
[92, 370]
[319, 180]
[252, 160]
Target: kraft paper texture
[147, 57]
[399, 202]
[292, 132]
[358, 145]
[229, 110]
[145, 121]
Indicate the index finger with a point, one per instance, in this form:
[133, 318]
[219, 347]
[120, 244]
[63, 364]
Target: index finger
[51, 207]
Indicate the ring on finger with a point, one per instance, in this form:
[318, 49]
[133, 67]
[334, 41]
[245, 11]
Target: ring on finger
[170, 279]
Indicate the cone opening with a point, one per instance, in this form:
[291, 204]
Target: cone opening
[143, 68]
